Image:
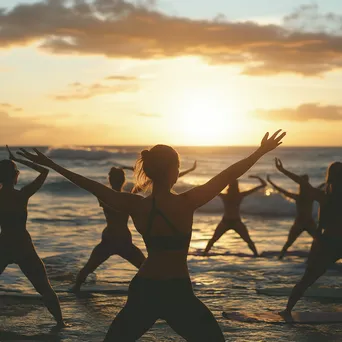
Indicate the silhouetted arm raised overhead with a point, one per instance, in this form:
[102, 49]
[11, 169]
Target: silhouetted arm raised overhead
[281, 190]
[30, 189]
[119, 201]
[202, 194]
[291, 175]
[183, 173]
[262, 185]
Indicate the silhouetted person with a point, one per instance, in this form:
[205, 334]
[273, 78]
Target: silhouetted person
[16, 246]
[162, 286]
[304, 206]
[231, 219]
[116, 237]
[326, 247]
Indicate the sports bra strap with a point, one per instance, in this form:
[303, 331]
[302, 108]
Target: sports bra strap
[154, 212]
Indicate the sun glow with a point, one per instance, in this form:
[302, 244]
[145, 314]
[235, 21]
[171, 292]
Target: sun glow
[206, 117]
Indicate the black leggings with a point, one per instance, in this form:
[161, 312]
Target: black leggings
[172, 300]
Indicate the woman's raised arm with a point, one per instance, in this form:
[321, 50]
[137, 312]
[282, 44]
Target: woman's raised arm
[119, 201]
[202, 194]
[31, 188]
[251, 191]
[291, 175]
[281, 190]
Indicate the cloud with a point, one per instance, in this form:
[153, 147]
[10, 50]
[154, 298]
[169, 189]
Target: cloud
[120, 29]
[79, 91]
[304, 112]
[9, 107]
[308, 18]
[150, 115]
[121, 78]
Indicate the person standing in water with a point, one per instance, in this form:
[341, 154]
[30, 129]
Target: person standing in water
[326, 247]
[116, 237]
[232, 219]
[304, 206]
[162, 287]
[16, 245]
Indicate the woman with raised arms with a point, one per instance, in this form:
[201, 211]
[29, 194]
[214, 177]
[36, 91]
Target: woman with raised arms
[231, 219]
[116, 237]
[304, 206]
[16, 246]
[162, 286]
[326, 247]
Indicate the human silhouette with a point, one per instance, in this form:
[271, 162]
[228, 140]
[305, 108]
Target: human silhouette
[162, 286]
[231, 219]
[326, 247]
[304, 206]
[116, 237]
[16, 246]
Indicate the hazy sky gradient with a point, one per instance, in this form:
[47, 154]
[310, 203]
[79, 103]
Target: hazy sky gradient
[178, 72]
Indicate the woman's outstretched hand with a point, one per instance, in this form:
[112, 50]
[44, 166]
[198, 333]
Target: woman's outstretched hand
[38, 158]
[11, 156]
[278, 164]
[269, 144]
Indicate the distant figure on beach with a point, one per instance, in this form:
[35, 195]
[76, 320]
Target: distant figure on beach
[162, 287]
[16, 246]
[116, 237]
[304, 205]
[232, 219]
[326, 247]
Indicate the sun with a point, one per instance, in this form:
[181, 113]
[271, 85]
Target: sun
[204, 117]
[203, 121]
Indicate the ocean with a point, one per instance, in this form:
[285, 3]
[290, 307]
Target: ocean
[66, 222]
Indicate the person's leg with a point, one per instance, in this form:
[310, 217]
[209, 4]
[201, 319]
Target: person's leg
[242, 230]
[3, 265]
[311, 229]
[133, 255]
[192, 320]
[319, 260]
[294, 232]
[34, 269]
[98, 256]
[219, 231]
[4, 257]
[137, 317]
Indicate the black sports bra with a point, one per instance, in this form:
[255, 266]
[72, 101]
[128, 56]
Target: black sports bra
[174, 242]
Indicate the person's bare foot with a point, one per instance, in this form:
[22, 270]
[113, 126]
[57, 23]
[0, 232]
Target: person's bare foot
[286, 315]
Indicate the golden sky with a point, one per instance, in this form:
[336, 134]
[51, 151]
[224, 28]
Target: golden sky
[114, 72]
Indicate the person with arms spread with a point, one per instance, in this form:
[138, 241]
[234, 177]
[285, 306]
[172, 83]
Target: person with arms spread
[16, 245]
[116, 237]
[162, 286]
[231, 219]
[304, 206]
[326, 247]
